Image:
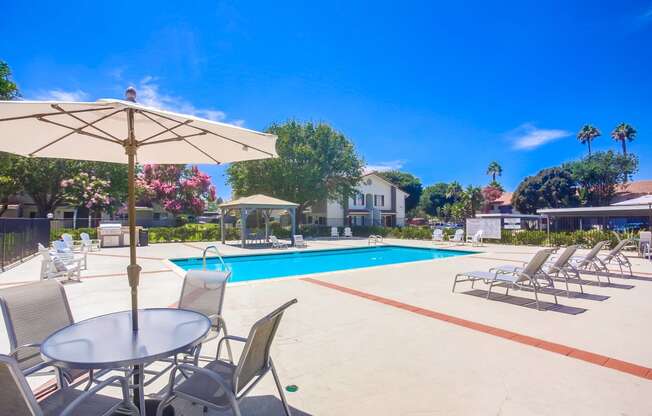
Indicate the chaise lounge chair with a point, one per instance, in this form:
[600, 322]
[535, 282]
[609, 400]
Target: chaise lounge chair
[556, 268]
[616, 256]
[528, 277]
[88, 243]
[591, 262]
[276, 243]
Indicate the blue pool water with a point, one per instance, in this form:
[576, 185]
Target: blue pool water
[268, 266]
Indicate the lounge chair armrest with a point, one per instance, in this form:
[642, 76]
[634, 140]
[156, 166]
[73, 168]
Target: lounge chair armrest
[108, 382]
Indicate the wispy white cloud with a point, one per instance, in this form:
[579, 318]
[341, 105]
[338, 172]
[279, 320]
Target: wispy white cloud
[527, 136]
[61, 95]
[385, 166]
[149, 94]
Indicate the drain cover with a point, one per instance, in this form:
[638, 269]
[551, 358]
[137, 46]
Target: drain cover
[292, 388]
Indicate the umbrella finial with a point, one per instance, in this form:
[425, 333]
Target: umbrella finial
[130, 94]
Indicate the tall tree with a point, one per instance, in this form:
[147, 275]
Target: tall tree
[598, 175]
[549, 188]
[434, 198]
[408, 183]
[494, 169]
[315, 163]
[454, 190]
[8, 88]
[41, 178]
[587, 134]
[623, 133]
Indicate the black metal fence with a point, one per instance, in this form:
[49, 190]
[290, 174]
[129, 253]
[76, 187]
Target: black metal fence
[19, 238]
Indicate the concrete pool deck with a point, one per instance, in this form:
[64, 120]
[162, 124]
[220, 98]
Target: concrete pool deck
[394, 340]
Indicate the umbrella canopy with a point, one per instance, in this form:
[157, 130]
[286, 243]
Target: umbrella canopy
[99, 131]
[123, 132]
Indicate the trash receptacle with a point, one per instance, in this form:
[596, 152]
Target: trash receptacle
[143, 237]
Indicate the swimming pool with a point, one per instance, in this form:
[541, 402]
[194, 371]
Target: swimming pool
[292, 263]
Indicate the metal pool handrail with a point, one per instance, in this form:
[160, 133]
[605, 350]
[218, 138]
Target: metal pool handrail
[374, 238]
[219, 256]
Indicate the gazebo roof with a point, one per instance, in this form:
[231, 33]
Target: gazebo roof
[259, 201]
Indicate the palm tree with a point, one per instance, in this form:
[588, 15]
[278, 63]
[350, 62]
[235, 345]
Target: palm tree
[586, 135]
[623, 133]
[494, 169]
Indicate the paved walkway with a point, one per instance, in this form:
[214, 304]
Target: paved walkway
[394, 339]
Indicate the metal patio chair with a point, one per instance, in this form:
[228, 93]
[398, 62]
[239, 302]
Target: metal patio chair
[590, 262]
[203, 292]
[528, 277]
[616, 256]
[17, 399]
[558, 267]
[31, 313]
[221, 384]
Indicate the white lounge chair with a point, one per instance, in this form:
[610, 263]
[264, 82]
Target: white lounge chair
[299, 242]
[591, 262]
[558, 267]
[616, 256]
[347, 232]
[53, 267]
[644, 243]
[528, 277]
[335, 233]
[88, 243]
[438, 235]
[276, 243]
[475, 239]
[458, 237]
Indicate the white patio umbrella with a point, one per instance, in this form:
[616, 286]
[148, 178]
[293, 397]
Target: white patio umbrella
[125, 132]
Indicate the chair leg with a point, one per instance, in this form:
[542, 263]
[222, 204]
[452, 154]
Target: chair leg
[455, 282]
[489, 291]
[536, 298]
[280, 389]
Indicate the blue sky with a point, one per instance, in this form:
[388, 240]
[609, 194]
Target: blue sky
[438, 89]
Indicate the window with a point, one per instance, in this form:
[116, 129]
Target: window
[379, 200]
[358, 199]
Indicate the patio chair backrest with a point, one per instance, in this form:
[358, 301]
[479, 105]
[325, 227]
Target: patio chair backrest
[68, 240]
[334, 231]
[31, 313]
[459, 234]
[255, 354]
[535, 264]
[595, 250]
[298, 238]
[61, 246]
[85, 237]
[614, 251]
[15, 394]
[438, 232]
[565, 256]
[203, 292]
[347, 231]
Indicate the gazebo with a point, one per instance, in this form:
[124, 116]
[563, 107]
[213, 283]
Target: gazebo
[249, 204]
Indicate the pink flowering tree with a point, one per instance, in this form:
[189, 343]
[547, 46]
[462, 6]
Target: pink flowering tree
[490, 194]
[89, 191]
[178, 189]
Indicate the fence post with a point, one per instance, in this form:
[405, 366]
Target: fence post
[4, 236]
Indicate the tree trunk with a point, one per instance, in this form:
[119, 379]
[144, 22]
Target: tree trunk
[493, 176]
[589, 143]
[3, 209]
[624, 147]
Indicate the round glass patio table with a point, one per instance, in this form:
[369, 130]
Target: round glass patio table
[108, 341]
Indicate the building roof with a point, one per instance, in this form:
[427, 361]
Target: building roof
[374, 173]
[259, 201]
[632, 190]
[645, 199]
[505, 199]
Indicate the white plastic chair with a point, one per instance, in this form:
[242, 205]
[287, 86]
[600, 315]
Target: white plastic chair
[276, 243]
[299, 242]
[476, 239]
[70, 243]
[458, 237]
[88, 243]
[335, 233]
[53, 267]
[437, 235]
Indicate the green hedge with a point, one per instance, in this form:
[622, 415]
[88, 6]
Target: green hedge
[211, 232]
[55, 233]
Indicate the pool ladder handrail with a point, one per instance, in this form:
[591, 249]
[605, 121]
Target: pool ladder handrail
[219, 256]
[373, 238]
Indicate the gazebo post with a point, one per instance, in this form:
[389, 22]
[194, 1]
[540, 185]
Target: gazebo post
[222, 225]
[266, 213]
[293, 217]
[243, 226]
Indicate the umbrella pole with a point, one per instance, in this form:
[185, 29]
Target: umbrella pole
[133, 270]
